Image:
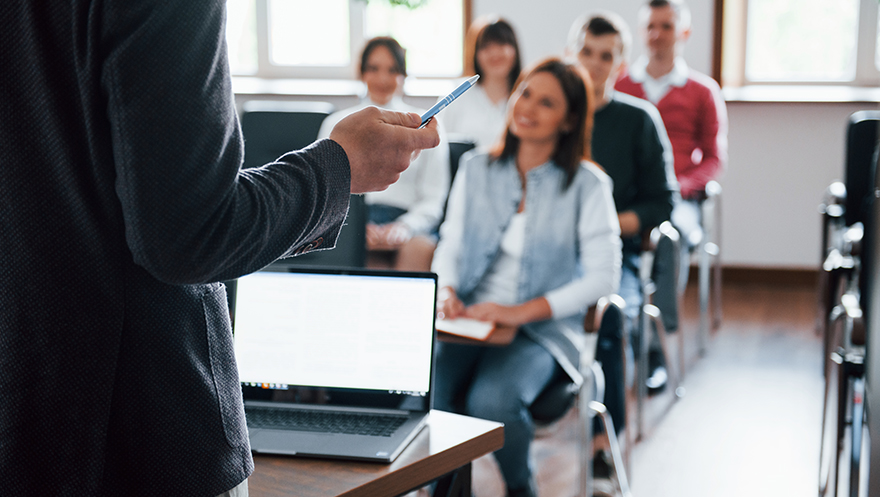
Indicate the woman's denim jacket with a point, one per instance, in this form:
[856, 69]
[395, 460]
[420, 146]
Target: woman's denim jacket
[550, 256]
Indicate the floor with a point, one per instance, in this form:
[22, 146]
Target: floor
[749, 421]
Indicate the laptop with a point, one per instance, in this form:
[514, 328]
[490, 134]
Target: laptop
[335, 363]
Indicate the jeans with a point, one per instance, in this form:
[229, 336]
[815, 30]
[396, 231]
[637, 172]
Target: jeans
[498, 384]
[383, 214]
[687, 219]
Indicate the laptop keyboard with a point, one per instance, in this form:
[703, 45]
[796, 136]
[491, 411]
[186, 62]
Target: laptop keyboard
[324, 422]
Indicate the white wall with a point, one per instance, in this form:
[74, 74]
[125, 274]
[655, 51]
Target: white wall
[782, 155]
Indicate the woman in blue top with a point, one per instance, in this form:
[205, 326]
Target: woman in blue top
[531, 240]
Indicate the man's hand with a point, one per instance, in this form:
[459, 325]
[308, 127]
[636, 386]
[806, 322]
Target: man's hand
[380, 145]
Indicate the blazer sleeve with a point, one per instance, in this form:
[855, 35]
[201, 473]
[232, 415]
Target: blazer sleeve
[190, 214]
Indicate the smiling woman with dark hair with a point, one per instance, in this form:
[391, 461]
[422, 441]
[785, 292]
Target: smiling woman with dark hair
[544, 247]
[492, 52]
[402, 219]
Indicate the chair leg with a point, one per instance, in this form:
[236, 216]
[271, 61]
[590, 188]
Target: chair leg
[629, 430]
[716, 236]
[614, 447]
[715, 252]
[641, 377]
[675, 373]
[585, 436]
[703, 265]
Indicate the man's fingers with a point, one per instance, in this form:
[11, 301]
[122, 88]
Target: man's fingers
[427, 137]
[406, 119]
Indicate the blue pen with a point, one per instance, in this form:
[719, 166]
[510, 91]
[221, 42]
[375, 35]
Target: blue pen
[426, 117]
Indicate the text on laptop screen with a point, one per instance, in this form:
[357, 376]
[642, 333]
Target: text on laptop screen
[335, 330]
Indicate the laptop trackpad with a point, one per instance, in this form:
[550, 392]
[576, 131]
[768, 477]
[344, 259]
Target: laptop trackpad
[312, 444]
[273, 441]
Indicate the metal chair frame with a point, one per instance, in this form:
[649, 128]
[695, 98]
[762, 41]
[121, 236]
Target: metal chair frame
[589, 404]
[650, 315]
[846, 280]
[709, 264]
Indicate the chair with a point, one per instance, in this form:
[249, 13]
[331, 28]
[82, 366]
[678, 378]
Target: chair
[562, 394]
[845, 301]
[844, 408]
[661, 245]
[456, 150]
[273, 128]
[831, 209]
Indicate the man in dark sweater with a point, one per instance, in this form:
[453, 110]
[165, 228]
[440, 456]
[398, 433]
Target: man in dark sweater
[629, 140]
[630, 143]
[123, 206]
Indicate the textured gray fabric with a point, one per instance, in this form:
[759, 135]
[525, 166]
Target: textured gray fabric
[122, 202]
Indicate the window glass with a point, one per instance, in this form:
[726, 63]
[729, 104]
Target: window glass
[801, 40]
[323, 39]
[241, 36]
[432, 34]
[309, 33]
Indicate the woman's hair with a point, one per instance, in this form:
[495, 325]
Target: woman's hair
[397, 52]
[487, 30]
[573, 145]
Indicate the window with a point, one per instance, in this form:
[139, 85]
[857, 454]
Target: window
[801, 41]
[323, 39]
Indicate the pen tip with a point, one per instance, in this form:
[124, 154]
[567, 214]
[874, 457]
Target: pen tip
[473, 79]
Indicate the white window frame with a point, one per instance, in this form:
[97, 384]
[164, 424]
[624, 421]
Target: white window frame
[357, 13]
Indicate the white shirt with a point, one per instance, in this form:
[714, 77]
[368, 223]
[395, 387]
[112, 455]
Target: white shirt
[656, 89]
[473, 116]
[421, 189]
[501, 281]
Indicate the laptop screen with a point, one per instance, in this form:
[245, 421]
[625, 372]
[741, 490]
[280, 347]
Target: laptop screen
[335, 336]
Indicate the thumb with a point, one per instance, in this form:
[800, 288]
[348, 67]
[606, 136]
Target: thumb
[407, 119]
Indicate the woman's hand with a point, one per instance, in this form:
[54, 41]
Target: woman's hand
[448, 305]
[510, 315]
[494, 313]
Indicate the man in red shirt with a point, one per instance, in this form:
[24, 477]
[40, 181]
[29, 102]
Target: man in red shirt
[689, 102]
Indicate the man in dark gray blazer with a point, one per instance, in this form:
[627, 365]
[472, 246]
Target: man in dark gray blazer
[122, 206]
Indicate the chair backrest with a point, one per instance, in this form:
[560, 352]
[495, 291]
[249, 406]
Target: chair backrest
[610, 354]
[273, 128]
[456, 150]
[860, 167]
[560, 395]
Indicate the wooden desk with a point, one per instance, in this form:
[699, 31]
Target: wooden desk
[448, 442]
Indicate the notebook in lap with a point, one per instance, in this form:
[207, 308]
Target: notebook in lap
[335, 362]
